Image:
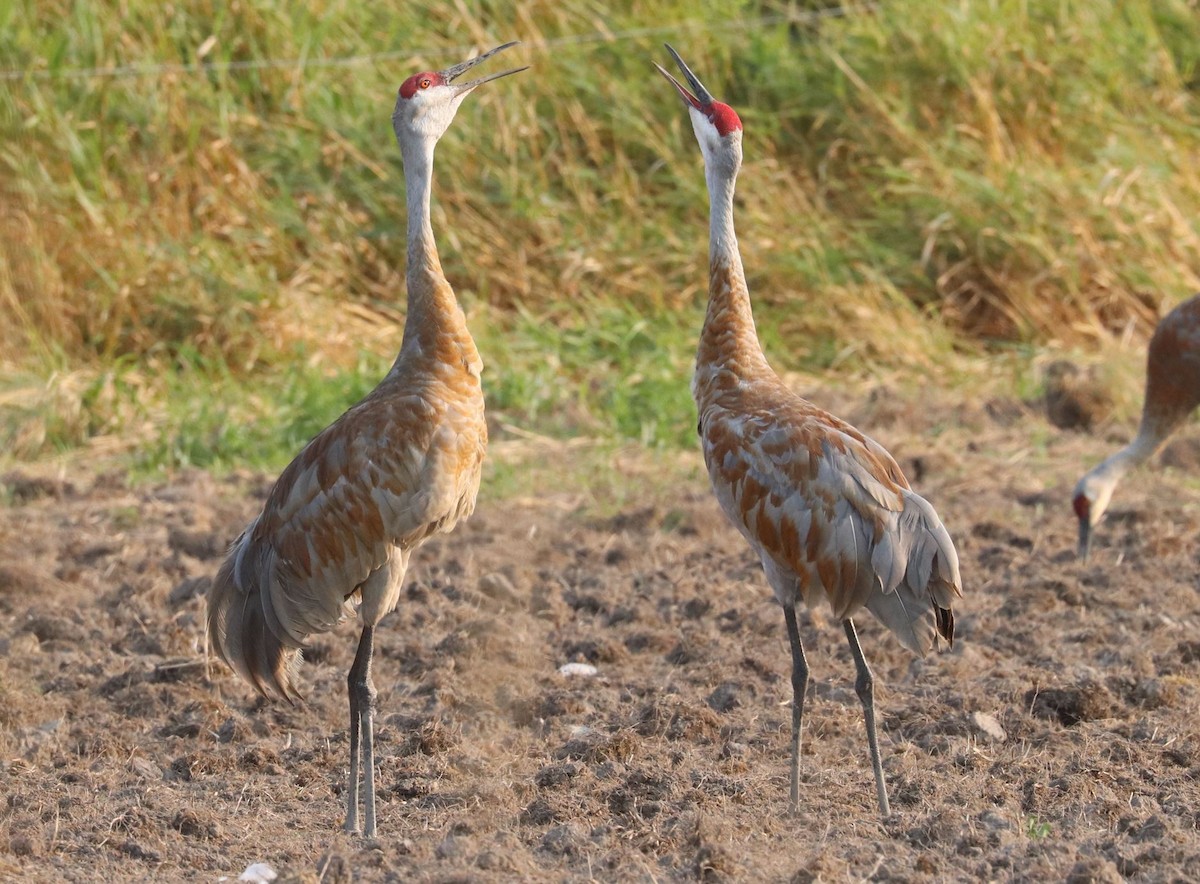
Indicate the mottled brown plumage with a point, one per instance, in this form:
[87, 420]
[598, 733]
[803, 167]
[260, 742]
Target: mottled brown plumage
[1172, 394]
[826, 509]
[342, 520]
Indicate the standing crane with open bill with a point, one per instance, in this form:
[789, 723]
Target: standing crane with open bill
[343, 519]
[826, 509]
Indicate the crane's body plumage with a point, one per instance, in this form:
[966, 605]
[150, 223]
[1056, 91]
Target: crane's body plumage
[829, 514]
[340, 523]
[1172, 394]
[826, 509]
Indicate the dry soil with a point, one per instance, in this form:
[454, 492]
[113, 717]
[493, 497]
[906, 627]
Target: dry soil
[1056, 740]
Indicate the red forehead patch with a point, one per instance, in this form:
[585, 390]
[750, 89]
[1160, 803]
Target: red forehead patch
[1082, 505]
[724, 118]
[417, 82]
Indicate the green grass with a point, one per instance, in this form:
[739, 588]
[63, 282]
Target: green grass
[203, 267]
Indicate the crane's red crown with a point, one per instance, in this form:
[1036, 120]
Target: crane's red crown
[417, 82]
[1082, 506]
[723, 117]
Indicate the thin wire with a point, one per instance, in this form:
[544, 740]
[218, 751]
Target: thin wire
[807, 17]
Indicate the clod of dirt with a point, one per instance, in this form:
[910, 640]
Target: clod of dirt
[1074, 398]
[538, 813]
[556, 774]
[1085, 702]
[595, 747]
[27, 843]
[428, 737]
[134, 820]
[1149, 693]
[196, 824]
[260, 758]
[725, 697]
[568, 839]
[495, 861]
[451, 847]
[137, 851]
[1094, 870]
[641, 795]
[677, 719]
[50, 628]
[601, 650]
[711, 861]
[1153, 828]
[333, 868]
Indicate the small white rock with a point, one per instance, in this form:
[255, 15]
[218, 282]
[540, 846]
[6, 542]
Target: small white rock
[586, 670]
[258, 873]
[989, 727]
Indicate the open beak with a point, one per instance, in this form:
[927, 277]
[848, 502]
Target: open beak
[700, 96]
[453, 73]
[1085, 539]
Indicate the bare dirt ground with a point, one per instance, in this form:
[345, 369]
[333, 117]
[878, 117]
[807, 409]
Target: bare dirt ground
[1057, 740]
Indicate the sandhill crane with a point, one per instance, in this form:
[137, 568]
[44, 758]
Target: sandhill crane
[1172, 393]
[826, 509]
[344, 517]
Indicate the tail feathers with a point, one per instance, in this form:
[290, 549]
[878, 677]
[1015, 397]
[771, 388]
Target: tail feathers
[243, 636]
[917, 605]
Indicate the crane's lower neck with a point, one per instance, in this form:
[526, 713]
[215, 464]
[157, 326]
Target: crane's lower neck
[435, 324]
[1133, 455]
[729, 341]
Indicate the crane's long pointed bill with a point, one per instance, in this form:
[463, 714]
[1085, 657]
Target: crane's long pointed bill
[701, 94]
[688, 97]
[452, 73]
[1085, 539]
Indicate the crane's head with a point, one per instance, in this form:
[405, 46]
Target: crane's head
[427, 102]
[717, 125]
[1091, 499]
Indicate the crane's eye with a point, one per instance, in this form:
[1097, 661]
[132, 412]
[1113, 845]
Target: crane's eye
[425, 83]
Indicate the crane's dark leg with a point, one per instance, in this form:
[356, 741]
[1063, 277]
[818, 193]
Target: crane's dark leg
[362, 714]
[864, 686]
[799, 688]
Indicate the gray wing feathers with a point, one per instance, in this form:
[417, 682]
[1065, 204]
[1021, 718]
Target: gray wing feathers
[918, 569]
[239, 630]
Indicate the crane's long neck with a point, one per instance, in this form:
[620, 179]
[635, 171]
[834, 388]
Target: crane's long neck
[1133, 455]
[729, 347]
[435, 325]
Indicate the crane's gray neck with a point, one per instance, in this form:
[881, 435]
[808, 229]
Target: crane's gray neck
[435, 329]
[1133, 455]
[729, 340]
[418, 181]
